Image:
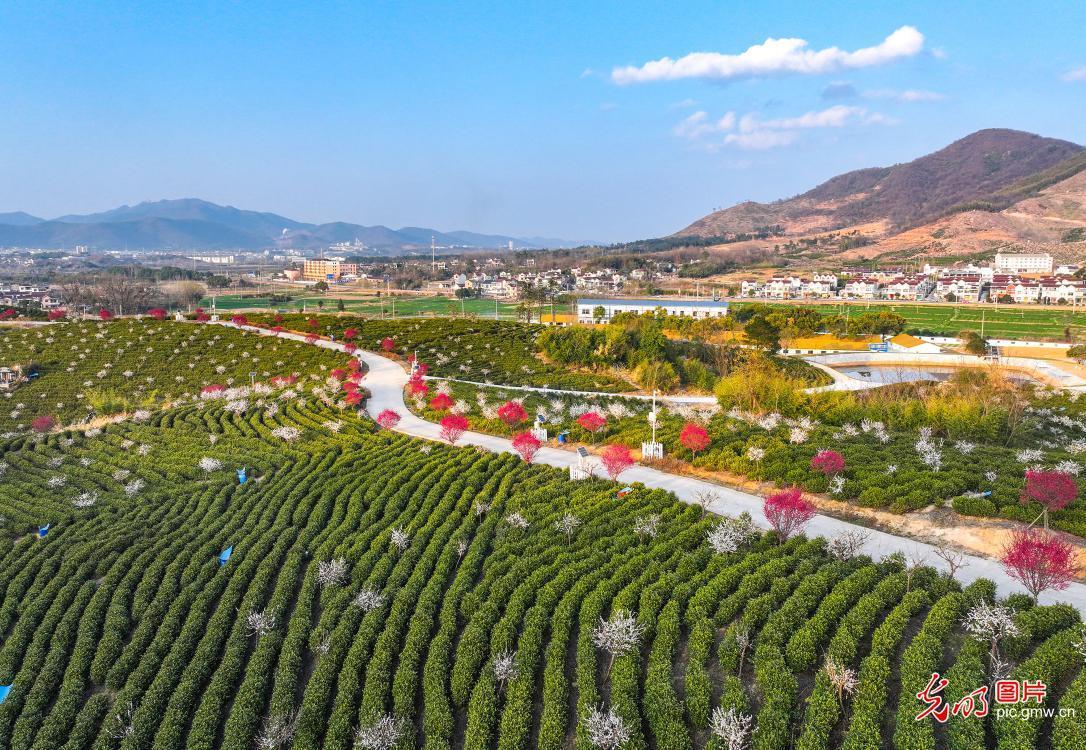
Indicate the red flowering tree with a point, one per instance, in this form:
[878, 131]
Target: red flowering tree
[592, 421]
[354, 366]
[201, 316]
[8, 313]
[1054, 490]
[441, 402]
[527, 445]
[388, 344]
[349, 386]
[1039, 561]
[350, 333]
[694, 438]
[278, 318]
[388, 419]
[157, 313]
[453, 426]
[787, 512]
[354, 398]
[214, 388]
[338, 373]
[828, 462]
[616, 459]
[276, 330]
[311, 338]
[57, 314]
[44, 423]
[104, 314]
[239, 320]
[312, 323]
[350, 348]
[512, 413]
[416, 387]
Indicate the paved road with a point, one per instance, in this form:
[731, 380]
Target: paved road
[386, 379]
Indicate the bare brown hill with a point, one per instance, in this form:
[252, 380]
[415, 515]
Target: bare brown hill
[989, 170]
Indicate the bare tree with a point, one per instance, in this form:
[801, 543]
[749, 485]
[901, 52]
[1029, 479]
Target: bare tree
[124, 724]
[954, 559]
[841, 678]
[705, 498]
[742, 642]
[847, 545]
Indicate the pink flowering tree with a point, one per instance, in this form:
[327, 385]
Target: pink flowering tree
[441, 402]
[157, 313]
[616, 459]
[313, 324]
[201, 315]
[1054, 490]
[43, 423]
[239, 320]
[526, 445]
[57, 314]
[1040, 561]
[592, 422]
[311, 338]
[350, 333]
[416, 387]
[354, 398]
[512, 413]
[388, 419]
[104, 314]
[350, 347]
[787, 512]
[8, 313]
[453, 427]
[388, 344]
[694, 438]
[828, 462]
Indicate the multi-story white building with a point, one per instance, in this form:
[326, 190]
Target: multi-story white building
[959, 287]
[1023, 263]
[586, 308]
[864, 287]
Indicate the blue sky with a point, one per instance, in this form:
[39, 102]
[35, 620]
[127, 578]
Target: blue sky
[525, 119]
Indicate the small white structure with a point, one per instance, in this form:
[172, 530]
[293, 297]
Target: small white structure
[582, 469]
[652, 449]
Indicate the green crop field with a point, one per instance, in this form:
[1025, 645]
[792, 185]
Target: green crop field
[996, 321]
[447, 592]
[371, 306]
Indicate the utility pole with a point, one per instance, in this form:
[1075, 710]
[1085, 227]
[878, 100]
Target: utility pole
[433, 255]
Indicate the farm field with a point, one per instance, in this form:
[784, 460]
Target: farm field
[94, 369]
[369, 305]
[482, 350]
[446, 592]
[950, 320]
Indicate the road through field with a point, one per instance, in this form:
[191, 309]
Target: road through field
[386, 379]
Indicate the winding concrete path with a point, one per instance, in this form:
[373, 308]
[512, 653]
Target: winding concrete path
[386, 379]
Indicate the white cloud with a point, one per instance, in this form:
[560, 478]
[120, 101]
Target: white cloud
[587, 72]
[1074, 75]
[750, 132]
[761, 140]
[684, 104]
[698, 125]
[908, 95]
[773, 57]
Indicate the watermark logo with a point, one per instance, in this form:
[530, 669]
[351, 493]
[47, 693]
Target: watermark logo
[1009, 695]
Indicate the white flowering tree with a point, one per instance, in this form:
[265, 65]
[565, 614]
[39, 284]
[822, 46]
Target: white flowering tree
[731, 534]
[382, 734]
[331, 573]
[568, 525]
[505, 667]
[605, 729]
[731, 728]
[618, 636]
[990, 623]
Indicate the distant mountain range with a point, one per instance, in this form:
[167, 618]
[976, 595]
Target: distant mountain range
[993, 188]
[193, 224]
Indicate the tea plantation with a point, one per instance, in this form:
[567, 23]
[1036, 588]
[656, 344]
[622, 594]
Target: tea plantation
[386, 592]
